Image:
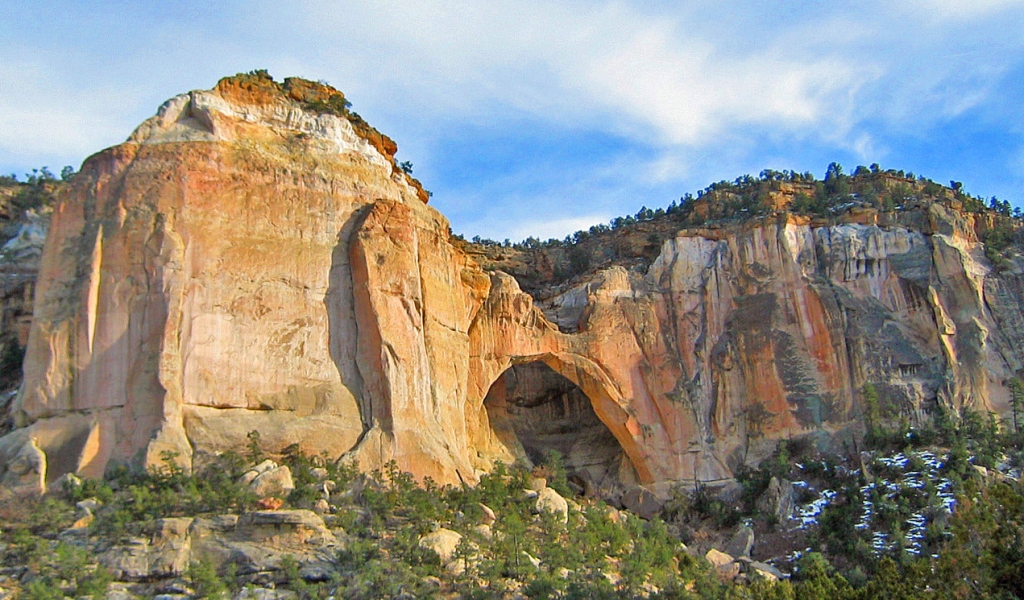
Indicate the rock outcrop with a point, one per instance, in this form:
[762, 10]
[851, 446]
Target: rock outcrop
[256, 543]
[197, 286]
[23, 234]
[252, 259]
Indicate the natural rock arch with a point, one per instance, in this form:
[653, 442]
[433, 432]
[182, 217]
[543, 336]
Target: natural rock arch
[346, 318]
[537, 401]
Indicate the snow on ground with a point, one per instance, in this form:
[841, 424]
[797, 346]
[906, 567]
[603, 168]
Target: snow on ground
[927, 469]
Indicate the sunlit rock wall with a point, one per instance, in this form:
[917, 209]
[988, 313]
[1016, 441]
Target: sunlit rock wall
[246, 263]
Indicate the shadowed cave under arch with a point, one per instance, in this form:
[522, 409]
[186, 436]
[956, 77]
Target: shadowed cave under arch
[533, 410]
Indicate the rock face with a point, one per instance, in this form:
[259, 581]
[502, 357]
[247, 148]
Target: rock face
[19, 267]
[534, 410]
[249, 261]
[736, 337]
[778, 500]
[167, 553]
[197, 287]
[23, 235]
[257, 543]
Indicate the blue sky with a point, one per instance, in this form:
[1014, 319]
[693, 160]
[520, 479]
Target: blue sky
[543, 117]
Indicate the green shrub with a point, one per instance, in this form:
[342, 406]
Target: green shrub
[43, 589]
[554, 471]
[206, 582]
[168, 491]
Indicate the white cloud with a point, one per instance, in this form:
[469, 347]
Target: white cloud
[672, 74]
[607, 64]
[866, 149]
[683, 73]
[689, 91]
[697, 84]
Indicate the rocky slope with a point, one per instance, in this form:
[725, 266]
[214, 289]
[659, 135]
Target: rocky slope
[252, 259]
[737, 336]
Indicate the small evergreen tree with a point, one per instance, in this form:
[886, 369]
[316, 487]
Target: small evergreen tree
[1016, 401]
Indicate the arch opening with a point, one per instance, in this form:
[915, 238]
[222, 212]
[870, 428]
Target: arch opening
[533, 410]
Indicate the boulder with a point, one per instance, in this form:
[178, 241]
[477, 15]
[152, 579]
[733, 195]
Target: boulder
[264, 466]
[488, 515]
[443, 542]
[173, 547]
[25, 468]
[166, 553]
[778, 500]
[455, 567]
[271, 503]
[257, 470]
[728, 572]
[548, 500]
[283, 528]
[276, 481]
[741, 543]
[764, 571]
[533, 560]
[354, 489]
[642, 502]
[67, 481]
[88, 505]
[717, 558]
[293, 518]
[83, 521]
[259, 541]
[128, 560]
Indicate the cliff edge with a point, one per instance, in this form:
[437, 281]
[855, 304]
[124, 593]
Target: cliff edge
[252, 259]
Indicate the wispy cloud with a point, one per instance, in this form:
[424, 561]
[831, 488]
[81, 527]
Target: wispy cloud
[958, 10]
[690, 91]
[42, 117]
[606, 64]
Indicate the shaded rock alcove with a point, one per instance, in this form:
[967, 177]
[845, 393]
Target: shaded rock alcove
[534, 410]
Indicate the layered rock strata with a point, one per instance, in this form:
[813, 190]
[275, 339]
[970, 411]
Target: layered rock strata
[197, 279]
[247, 262]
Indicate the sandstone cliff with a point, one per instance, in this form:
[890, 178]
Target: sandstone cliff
[250, 260]
[197, 279]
